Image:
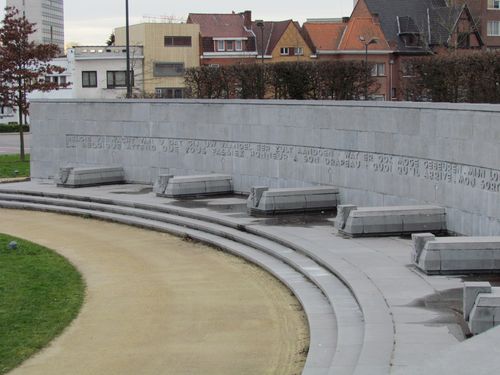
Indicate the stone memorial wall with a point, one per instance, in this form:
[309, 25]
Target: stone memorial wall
[376, 153]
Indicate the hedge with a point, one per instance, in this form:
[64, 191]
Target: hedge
[12, 128]
[326, 80]
[468, 77]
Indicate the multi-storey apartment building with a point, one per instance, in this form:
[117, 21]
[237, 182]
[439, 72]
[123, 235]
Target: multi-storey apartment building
[169, 49]
[48, 15]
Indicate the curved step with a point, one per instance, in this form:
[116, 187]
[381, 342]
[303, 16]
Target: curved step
[322, 323]
[373, 356]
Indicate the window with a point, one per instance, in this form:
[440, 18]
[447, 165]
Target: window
[239, 45]
[169, 93]
[220, 45]
[230, 45]
[493, 28]
[117, 78]
[284, 51]
[493, 4]
[164, 69]
[299, 51]
[177, 41]
[463, 40]
[89, 79]
[378, 70]
[213, 65]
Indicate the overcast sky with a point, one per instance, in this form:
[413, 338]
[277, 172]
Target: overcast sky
[92, 21]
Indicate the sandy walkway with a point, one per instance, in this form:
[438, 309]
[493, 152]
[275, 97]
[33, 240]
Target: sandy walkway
[159, 305]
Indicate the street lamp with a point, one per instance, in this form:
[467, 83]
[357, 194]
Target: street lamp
[127, 41]
[373, 40]
[260, 25]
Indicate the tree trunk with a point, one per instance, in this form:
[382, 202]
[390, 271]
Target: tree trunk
[21, 131]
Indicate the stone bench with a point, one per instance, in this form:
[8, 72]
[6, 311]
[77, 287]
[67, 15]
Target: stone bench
[390, 220]
[91, 176]
[193, 186]
[456, 255]
[481, 306]
[265, 201]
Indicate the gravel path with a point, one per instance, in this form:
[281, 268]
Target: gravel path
[158, 305]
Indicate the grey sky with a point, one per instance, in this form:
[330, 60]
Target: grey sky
[92, 21]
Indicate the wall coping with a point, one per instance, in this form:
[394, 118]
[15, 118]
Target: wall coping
[297, 103]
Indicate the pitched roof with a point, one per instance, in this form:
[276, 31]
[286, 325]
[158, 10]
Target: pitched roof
[442, 22]
[229, 25]
[363, 27]
[389, 11]
[273, 31]
[325, 36]
[432, 20]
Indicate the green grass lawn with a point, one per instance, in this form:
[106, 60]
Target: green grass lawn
[40, 294]
[11, 163]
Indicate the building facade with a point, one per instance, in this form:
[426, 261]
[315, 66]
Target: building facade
[281, 41]
[226, 39]
[95, 72]
[388, 32]
[487, 16]
[169, 49]
[48, 15]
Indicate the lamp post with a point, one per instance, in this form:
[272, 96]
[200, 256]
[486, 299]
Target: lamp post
[127, 41]
[373, 40]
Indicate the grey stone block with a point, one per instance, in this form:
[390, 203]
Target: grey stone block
[198, 185]
[393, 220]
[343, 212]
[486, 312]
[266, 201]
[471, 291]
[459, 255]
[161, 183]
[255, 196]
[81, 177]
[419, 241]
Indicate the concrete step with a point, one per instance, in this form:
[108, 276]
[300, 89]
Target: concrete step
[377, 342]
[323, 338]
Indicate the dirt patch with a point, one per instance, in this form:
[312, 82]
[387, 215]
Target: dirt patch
[158, 305]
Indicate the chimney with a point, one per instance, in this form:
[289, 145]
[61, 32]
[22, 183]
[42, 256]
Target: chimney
[376, 18]
[345, 19]
[247, 17]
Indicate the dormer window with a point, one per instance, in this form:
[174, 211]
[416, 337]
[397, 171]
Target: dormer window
[412, 40]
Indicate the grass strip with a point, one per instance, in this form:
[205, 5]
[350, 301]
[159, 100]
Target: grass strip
[40, 294]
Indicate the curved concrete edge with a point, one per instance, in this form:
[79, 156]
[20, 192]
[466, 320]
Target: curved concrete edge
[320, 316]
[378, 343]
[376, 351]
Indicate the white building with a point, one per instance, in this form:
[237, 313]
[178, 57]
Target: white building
[48, 16]
[96, 72]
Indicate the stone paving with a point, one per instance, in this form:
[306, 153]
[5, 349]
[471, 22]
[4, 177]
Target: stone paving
[400, 318]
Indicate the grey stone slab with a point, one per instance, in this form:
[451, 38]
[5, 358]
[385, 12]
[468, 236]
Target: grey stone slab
[265, 201]
[195, 185]
[458, 255]
[391, 220]
[90, 176]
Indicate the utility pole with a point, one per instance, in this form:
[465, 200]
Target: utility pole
[127, 37]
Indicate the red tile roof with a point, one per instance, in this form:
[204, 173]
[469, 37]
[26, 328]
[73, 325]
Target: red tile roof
[325, 35]
[220, 25]
[365, 27]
